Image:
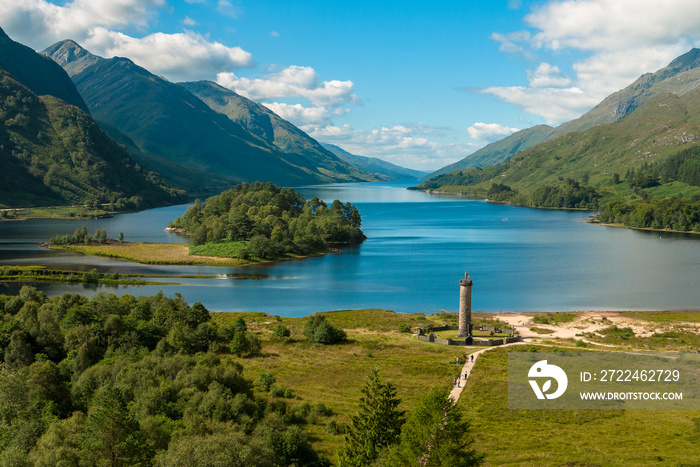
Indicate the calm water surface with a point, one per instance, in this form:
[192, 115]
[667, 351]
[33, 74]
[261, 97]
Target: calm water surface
[418, 248]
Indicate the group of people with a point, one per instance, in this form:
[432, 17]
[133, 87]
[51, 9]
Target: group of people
[455, 381]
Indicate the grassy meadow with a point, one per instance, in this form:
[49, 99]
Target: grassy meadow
[333, 375]
[151, 253]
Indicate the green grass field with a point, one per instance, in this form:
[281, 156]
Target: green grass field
[333, 376]
[572, 437]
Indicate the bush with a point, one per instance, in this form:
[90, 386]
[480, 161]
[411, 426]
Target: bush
[245, 344]
[265, 381]
[281, 332]
[319, 330]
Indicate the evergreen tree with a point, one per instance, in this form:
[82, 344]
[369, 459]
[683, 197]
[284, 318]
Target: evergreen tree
[436, 434]
[376, 426]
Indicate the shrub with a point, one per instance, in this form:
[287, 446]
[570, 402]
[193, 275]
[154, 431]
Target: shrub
[319, 330]
[265, 381]
[281, 332]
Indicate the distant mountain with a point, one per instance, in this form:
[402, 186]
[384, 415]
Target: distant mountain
[600, 157]
[500, 151]
[679, 77]
[40, 74]
[373, 165]
[264, 123]
[177, 132]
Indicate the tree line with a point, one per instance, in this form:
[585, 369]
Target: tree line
[271, 221]
[670, 213]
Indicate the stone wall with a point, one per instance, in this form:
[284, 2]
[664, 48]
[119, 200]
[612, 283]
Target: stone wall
[468, 341]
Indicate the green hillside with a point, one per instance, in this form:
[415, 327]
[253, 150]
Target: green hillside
[681, 76]
[630, 160]
[499, 151]
[53, 153]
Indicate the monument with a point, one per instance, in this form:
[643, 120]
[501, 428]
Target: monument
[465, 306]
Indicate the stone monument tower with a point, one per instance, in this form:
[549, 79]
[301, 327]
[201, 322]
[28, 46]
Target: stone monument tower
[465, 306]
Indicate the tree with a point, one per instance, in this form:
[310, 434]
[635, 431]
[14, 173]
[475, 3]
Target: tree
[376, 426]
[319, 330]
[112, 435]
[281, 332]
[436, 434]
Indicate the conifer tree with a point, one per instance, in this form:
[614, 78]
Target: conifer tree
[376, 426]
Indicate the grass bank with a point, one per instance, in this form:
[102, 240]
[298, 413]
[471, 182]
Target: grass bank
[42, 274]
[55, 212]
[152, 253]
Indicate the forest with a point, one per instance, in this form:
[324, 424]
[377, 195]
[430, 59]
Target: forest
[265, 221]
[133, 381]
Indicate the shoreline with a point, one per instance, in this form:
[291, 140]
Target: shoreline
[644, 229]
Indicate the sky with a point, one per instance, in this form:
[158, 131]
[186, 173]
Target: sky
[420, 84]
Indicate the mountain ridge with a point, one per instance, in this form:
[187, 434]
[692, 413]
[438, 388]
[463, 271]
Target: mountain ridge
[681, 75]
[180, 132]
[40, 74]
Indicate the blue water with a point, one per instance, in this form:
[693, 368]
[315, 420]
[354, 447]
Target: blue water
[418, 248]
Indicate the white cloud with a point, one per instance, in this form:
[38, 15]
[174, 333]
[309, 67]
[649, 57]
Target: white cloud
[413, 146]
[227, 8]
[613, 42]
[38, 23]
[489, 132]
[293, 81]
[546, 76]
[189, 21]
[179, 56]
[556, 105]
[302, 116]
[274, 34]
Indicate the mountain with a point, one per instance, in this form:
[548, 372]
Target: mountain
[600, 157]
[264, 123]
[177, 132]
[682, 75]
[499, 151]
[53, 153]
[71, 57]
[39, 73]
[679, 77]
[375, 166]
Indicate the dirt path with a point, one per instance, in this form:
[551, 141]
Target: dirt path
[467, 369]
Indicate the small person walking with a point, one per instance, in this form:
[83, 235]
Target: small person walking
[472, 356]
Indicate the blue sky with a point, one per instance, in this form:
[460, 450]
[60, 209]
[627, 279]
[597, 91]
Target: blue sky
[418, 83]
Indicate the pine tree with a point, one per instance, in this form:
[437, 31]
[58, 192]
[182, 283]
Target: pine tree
[436, 434]
[376, 426]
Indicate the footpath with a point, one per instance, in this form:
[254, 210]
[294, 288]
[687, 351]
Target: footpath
[467, 369]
